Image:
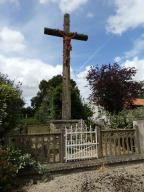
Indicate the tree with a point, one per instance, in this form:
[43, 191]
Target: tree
[10, 104]
[113, 86]
[27, 112]
[48, 101]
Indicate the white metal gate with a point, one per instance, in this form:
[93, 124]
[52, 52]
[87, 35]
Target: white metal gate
[80, 143]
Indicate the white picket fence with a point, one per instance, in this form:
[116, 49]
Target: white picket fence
[80, 143]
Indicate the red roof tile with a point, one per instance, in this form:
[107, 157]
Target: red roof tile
[138, 102]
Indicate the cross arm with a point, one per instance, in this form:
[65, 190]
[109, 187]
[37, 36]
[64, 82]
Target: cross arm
[60, 33]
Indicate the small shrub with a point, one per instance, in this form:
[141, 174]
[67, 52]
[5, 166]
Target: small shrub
[125, 118]
[7, 171]
[12, 162]
[21, 160]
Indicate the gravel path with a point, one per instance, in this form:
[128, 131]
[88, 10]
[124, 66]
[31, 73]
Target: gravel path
[128, 178]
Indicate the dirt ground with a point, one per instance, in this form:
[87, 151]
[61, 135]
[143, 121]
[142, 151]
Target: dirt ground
[126, 178]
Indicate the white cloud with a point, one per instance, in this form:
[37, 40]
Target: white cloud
[9, 1]
[48, 1]
[28, 71]
[139, 65]
[31, 71]
[137, 49]
[11, 40]
[82, 83]
[129, 14]
[66, 5]
[90, 15]
[117, 59]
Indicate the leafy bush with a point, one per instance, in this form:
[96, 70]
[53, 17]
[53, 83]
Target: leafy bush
[21, 160]
[125, 118]
[121, 120]
[12, 161]
[11, 103]
[29, 121]
[7, 171]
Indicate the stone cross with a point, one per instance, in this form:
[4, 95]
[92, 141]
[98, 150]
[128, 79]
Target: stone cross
[67, 36]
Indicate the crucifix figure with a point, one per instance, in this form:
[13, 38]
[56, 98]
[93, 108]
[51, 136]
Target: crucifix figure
[67, 36]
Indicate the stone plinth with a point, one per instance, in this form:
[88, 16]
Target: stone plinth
[139, 125]
[59, 125]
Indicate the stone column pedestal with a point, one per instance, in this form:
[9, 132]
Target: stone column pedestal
[139, 126]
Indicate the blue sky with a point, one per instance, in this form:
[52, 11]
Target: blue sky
[114, 27]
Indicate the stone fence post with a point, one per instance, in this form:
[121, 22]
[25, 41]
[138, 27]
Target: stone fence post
[139, 126]
[99, 136]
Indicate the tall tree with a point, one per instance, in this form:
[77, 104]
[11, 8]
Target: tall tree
[10, 104]
[48, 101]
[113, 86]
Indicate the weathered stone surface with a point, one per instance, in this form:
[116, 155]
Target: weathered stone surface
[59, 125]
[127, 178]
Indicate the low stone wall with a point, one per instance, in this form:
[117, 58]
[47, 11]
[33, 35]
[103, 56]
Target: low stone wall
[50, 147]
[46, 148]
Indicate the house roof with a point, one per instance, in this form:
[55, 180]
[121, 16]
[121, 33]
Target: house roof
[138, 102]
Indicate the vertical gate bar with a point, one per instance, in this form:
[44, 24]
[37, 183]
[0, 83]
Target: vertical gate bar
[92, 144]
[86, 143]
[86, 135]
[81, 143]
[91, 141]
[69, 150]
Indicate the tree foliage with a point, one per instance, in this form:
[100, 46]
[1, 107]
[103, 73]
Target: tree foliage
[10, 104]
[27, 112]
[12, 162]
[113, 86]
[125, 118]
[48, 101]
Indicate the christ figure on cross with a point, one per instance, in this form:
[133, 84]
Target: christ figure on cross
[67, 36]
